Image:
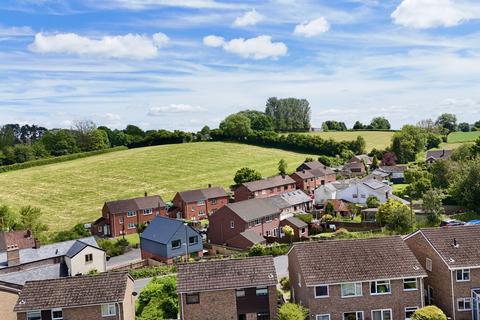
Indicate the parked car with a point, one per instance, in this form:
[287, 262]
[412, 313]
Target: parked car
[473, 222]
[451, 223]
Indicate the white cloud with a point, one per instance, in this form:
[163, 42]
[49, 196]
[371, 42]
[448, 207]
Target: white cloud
[423, 14]
[15, 31]
[132, 46]
[250, 18]
[111, 116]
[145, 4]
[257, 48]
[174, 108]
[312, 28]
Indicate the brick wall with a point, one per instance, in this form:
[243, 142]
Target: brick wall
[214, 305]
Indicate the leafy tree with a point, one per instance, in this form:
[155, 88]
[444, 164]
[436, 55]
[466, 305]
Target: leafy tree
[256, 250]
[465, 185]
[358, 125]
[464, 127]
[389, 159]
[308, 159]
[395, 216]
[428, 125]
[236, 126]
[289, 114]
[380, 123]
[282, 167]
[30, 218]
[429, 313]
[433, 141]
[329, 208]
[246, 175]
[375, 163]
[133, 130]
[39, 151]
[476, 147]
[288, 231]
[432, 204]
[440, 171]
[8, 218]
[59, 142]
[373, 202]
[82, 130]
[292, 311]
[7, 136]
[359, 145]
[158, 300]
[477, 124]
[417, 188]
[332, 125]
[463, 152]
[448, 122]
[407, 142]
[259, 121]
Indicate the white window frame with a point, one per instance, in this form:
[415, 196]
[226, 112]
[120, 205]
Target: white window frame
[322, 316]
[147, 212]
[192, 243]
[107, 310]
[429, 264]
[410, 280]
[35, 313]
[177, 247]
[201, 203]
[376, 293]
[464, 272]
[240, 293]
[131, 214]
[382, 311]
[120, 220]
[410, 309]
[356, 314]
[261, 291]
[259, 222]
[131, 225]
[463, 301]
[232, 224]
[299, 280]
[321, 297]
[264, 191]
[356, 286]
[57, 310]
[268, 219]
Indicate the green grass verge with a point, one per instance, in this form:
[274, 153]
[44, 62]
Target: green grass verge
[456, 137]
[133, 239]
[74, 191]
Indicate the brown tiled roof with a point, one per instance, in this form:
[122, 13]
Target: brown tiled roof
[338, 205]
[226, 274]
[467, 252]
[317, 172]
[202, 194]
[140, 203]
[23, 239]
[339, 261]
[73, 291]
[272, 182]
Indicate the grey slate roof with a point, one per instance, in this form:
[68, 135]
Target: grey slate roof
[226, 274]
[272, 182]
[252, 209]
[73, 291]
[294, 198]
[340, 261]
[134, 204]
[297, 222]
[162, 229]
[253, 237]
[54, 271]
[439, 154]
[77, 247]
[467, 254]
[47, 251]
[202, 194]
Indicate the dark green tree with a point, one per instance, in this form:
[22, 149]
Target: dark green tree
[236, 126]
[289, 114]
[259, 121]
[465, 185]
[407, 142]
[282, 167]
[246, 175]
[432, 205]
[380, 123]
[464, 127]
[448, 122]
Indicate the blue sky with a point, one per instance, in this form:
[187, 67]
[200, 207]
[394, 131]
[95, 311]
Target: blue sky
[177, 64]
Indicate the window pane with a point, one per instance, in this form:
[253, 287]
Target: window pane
[262, 291]
[321, 291]
[377, 315]
[387, 315]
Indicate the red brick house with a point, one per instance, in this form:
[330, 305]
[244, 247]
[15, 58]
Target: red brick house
[198, 204]
[121, 217]
[22, 239]
[359, 279]
[451, 256]
[233, 289]
[264, 188]
[311, 175]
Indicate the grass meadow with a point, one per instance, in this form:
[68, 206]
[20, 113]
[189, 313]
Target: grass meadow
[374, 139]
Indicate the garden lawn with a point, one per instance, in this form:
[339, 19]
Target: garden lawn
[74, 192]
[374, 139]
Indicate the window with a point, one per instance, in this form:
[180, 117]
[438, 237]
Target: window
[321, 291]
[193, 240]
[34, 315]
[385, 314]
[299, 280]
[57, 314]
[410, 284]
[363, 196]
[108, 310]
[193, 298]
[463, 275]
[409, 311]
[258, 221]
[380, 287]
[464, 304]
[351, 289]
[356, 315]
[428, 264]
[176, 244]
[100, 229]
[303, 230]
[88, 258]
[201, 212]
[201, 203]
[120, 220]
[213, 201]
[355, 196]
[240, 293]
[264, 191]
[322, 317]
[131, 214]
[261, 291]
[263, 316]
[268, 219]
[269, 233]
[132, 226]
[146, 212]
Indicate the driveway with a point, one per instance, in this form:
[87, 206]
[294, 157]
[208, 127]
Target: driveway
[131, 256]
[281, 266]
[139, 284]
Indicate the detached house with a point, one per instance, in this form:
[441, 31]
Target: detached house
[121, 217]
[434, 155]
[265, 188]
[92, 297]
[311, 175]
[8, 297]
[360, 279]
[451, 256]
[198, 204]
[234, 289]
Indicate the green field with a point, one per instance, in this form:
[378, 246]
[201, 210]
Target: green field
[456, 137]
[74, 191]
[374, 139]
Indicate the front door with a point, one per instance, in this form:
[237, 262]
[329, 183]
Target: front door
[476, 304]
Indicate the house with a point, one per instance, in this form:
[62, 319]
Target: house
[300, 228]
[265, 188]
[121, 217]
[22, 239]
[433, 155]
[357, 166]
[228, 289]
[245, 223]
[51, 261]
[340, 207]
[395, 173]
[292, 202]
[312, 174]
[8, 297]
[198, 204]
[451, 256]
[376, 278]
[165, 240]
[362, 158]
[92, 297]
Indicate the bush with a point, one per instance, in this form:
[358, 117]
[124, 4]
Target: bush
[307, 218]
[429, 313]
[113, 248]
[158, 300]
[256, 250]
[285, 283]
[149, 272]
[292, 311]
[327, 217]
[77, 232]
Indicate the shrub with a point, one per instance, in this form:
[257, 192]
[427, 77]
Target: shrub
[327, 217]
[158, 300]
[307, 218]
[429, 313]
[256, 250]
[292, 311]
[149, 272]
[285, 283]
[113, 248]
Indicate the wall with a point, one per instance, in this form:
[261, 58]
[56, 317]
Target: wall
[219, 231]
[180, 235]
[214, 305]
[464, 290]
[129, 301]
[7, 302]
[78, 265]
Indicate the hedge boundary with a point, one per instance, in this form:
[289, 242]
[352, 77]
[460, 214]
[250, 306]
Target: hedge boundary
[68, 157]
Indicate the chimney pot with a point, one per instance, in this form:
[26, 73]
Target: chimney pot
[13, 255]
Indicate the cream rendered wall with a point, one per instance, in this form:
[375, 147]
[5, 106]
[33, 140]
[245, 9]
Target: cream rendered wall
[78, 265]
[7, 302]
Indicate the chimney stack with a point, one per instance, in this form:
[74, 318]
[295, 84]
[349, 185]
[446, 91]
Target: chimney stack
[146, 194]
[37, 243]
[209, 185]
[13, 255]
